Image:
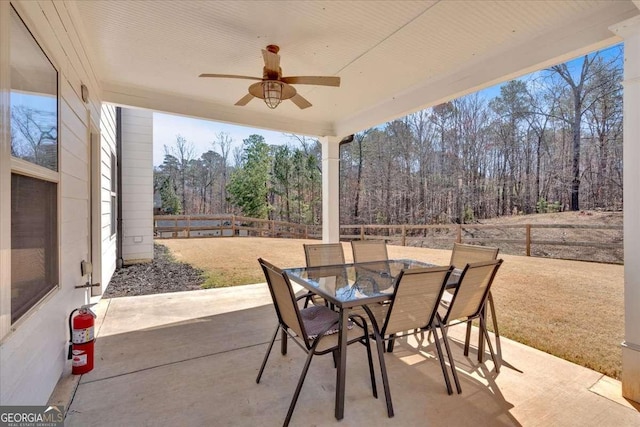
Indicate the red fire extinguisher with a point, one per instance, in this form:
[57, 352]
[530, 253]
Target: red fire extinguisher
[81, 340]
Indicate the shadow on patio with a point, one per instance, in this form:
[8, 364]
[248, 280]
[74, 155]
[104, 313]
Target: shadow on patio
[191, 358]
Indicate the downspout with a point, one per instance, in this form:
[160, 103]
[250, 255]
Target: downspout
[346, 140]
[119, 236]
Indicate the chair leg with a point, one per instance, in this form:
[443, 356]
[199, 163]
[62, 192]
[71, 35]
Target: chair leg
[496, 332]
[441, 360]
[266, 356]
[283, 342]
[467, 339]
[483, 325]
[299, 386]
[367, 344]
[383, 366]
[391, 343]
[383, 371]
[334, 353]
[443, 328]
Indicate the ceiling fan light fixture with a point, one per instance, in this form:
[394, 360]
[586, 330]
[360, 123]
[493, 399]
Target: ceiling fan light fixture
[272, 87]
[272, 92]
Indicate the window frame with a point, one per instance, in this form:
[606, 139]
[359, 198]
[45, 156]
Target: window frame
[113, 195]
[10, 165]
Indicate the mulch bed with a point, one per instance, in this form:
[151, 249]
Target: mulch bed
[161, 275]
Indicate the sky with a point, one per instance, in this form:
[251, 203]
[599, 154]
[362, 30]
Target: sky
[201, 133]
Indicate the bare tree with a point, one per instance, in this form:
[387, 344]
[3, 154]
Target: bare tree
[579, 91]
[183, 151]
[224, 141]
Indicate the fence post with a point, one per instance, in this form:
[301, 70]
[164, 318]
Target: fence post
[273, 228]
[459, 234]
[528, 239]
[362, 232]
[404, 235]
[189, 227]
[175, 227]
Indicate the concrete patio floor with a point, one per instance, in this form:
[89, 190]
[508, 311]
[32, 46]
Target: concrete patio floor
[191, 358]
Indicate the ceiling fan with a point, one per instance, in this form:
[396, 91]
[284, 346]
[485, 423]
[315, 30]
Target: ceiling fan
[272, 87]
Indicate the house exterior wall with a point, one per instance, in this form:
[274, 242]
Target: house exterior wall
[33, 350]
[137, 185]
[107, 150]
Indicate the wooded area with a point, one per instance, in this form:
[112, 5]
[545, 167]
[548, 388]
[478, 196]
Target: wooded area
[549, 142]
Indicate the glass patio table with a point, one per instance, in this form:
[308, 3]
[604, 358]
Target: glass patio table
[347, 286]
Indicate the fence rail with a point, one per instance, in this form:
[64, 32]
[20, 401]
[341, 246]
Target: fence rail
[527, 238]
[189, 226]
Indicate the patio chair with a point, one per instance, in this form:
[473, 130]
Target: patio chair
[416, 298]
[369, 250]
[463, 254]
[467, 303]
[321, 255]
[314, 329]
[373, 255]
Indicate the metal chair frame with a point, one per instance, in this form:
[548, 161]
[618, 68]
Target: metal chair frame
[415, 318]
[463, 254]
[473, 312]
[291, 324]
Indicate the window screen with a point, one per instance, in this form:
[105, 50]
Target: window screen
[34, 242]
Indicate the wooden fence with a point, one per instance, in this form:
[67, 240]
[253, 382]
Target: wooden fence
[519, 239]
[188, 226]
[593, 242]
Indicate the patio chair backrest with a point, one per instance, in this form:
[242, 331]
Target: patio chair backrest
[319, 255]
[416, 298]
[463, 254]
[327, 255]
[369, 250]
[472, 291]
[284, 299]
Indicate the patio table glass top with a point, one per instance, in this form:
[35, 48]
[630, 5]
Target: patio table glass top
[355, 284]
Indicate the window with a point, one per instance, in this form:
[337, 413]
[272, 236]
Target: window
[34, 241]
[34, 171]
[114, 191]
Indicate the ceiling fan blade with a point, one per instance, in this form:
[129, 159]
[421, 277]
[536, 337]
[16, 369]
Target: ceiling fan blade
[244, 100]
[230, 76]
[300, 101]
[312, 80]
[271, 61]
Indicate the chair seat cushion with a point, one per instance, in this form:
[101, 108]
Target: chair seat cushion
[318, 317]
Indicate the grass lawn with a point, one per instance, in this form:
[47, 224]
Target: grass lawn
[571, 309]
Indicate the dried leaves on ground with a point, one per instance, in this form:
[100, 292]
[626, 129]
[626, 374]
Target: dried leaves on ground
[163, 274]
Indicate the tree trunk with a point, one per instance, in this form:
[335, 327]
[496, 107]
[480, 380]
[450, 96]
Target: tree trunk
[575, 164]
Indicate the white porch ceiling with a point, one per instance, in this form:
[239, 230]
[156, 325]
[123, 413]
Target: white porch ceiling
[393, 57]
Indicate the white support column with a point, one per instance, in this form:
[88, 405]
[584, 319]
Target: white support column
[630, 30]
[330, 189]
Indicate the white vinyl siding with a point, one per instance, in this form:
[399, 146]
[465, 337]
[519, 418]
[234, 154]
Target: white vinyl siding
[108, 146]
[137, 185]
[33, 351]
